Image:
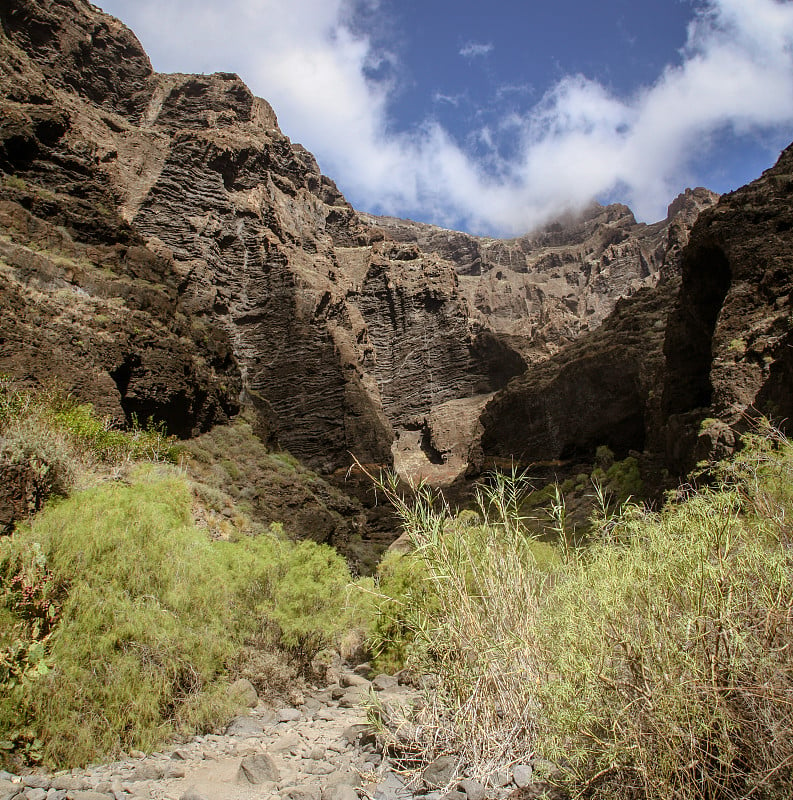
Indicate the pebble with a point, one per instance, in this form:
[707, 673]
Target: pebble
[315, 752]
[522, 775]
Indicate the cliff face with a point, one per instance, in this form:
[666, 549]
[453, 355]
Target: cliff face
[167, 251]
[711, 340]
[728, 344]
[541, 291]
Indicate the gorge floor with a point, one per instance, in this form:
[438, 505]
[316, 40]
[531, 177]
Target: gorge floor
[320, 749]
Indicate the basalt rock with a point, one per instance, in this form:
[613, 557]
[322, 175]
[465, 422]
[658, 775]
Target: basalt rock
[729, 337]
[167, 251]
[709, 344]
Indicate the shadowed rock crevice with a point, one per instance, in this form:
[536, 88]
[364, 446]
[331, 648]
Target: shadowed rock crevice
[689, 341]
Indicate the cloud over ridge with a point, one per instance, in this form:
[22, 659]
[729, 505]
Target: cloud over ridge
[578, 142]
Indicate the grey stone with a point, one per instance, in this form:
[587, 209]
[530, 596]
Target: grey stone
[6, 776]
[392, 787]
[301, 792]
[285, 744]
[147, 772]
[86, 794]
[70, 783]
[288, 715]
[342, 778]
[36, 781]
[257, 770]
[384, 683]
[359, 734]
[10, 794]
[473, 789]
[35, 793]
[349, 679]
[522, 775]
[501, 777]
[341, 791]
[311, 706]
[454, 795]
[317, 753]
[56, 794]
[246, 692]
[192, 794]
[353, 697]
[440, 772]
[174, 771]
[244, 727]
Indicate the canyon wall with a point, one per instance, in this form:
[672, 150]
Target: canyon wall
[166, 251]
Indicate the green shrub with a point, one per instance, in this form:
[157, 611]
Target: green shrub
[302, 598]
[655, 663]
[117, 611]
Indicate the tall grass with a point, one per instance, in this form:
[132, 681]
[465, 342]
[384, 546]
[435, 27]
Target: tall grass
[657, 662]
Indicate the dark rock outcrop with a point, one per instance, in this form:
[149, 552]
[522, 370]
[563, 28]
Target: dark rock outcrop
[711, 340]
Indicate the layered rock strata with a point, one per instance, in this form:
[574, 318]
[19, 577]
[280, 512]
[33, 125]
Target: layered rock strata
[200, 259]
[711, 340]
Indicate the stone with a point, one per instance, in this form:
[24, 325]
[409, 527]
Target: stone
[384, 683]
[440, 772]
[174, 771]
[342, 777]
[35, 794]
[472, 789]
[192, 794]
[522, 775]
[61, 794]
[288, 715]
[258, 769]
[341, 791]
[306, 792]
[353, 696]
[244, 727]
[246, 692]
[287, 743]
[147, 772]
[36, 781]
[70, 783]
[360, 734]
[348, 679]
[317, 753]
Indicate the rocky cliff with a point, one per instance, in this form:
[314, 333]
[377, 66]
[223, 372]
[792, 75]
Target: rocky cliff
[709, 344]
[200, 259]
[167, 251]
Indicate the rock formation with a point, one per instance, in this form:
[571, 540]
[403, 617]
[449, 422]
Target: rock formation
[168, 252]
[711, 340]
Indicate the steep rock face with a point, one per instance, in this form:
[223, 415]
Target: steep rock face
[728, 345]
[711, 340]
[85, 301]
[229, 249]
[544, 289]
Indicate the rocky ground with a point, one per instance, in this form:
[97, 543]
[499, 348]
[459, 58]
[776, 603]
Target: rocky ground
[321, 749]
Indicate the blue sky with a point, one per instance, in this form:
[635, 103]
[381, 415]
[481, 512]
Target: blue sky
[495, 116]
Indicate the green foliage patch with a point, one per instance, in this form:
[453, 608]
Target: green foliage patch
[655, 662]
[117, 611]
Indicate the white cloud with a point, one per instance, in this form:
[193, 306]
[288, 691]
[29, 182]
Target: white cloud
[578, 142]
[475, 49]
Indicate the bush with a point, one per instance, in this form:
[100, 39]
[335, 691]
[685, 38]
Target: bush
[655, 663]
[117, 611]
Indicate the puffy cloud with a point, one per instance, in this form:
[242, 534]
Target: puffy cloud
[580, 141]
